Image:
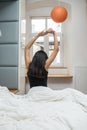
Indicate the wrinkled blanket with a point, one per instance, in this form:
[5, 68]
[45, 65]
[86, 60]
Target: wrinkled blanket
[43, 109]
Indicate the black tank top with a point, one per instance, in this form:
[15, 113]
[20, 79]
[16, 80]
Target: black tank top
[38, 81]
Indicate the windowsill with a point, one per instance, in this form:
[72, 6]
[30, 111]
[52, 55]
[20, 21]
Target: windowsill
[58, 72]
[60, 76]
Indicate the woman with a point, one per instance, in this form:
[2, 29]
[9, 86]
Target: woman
[37, 69]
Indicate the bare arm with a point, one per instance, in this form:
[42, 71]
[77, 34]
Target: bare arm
[28, 46]
[55, 51]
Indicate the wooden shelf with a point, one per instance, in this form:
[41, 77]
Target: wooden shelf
[60, 76]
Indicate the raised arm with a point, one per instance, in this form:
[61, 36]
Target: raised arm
[55, 50]
[28, 46]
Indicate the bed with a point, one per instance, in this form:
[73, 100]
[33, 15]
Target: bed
[43, 109]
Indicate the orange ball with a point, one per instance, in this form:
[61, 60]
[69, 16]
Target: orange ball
[59, 14]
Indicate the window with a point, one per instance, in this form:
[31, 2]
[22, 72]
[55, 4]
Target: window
[46, 43]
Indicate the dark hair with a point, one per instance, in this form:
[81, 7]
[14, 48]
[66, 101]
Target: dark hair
[36, 67]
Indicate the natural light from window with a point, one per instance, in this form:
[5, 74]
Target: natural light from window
[39, 24]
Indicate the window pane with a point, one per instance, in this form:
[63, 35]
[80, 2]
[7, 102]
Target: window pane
[37, 25]
[51, 40]
[57, 59]
[38, 45]
[51, 47]
[52, 24]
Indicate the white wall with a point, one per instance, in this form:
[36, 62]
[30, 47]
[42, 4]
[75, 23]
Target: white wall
[79, 42]
[75, 47]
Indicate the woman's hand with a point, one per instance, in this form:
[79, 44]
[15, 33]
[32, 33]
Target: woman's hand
[50, 30]
[42, 33]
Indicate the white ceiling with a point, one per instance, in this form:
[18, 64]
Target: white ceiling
[32, 4]
[33, 1]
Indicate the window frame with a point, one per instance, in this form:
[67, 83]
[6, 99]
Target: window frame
[46, 46]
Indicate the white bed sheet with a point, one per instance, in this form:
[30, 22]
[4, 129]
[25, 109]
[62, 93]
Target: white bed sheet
[43, 109]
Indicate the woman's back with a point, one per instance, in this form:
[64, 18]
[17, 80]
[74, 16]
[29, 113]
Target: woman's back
[38, 67]
[38, 81]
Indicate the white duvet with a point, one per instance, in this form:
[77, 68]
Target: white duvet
[43, 109]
